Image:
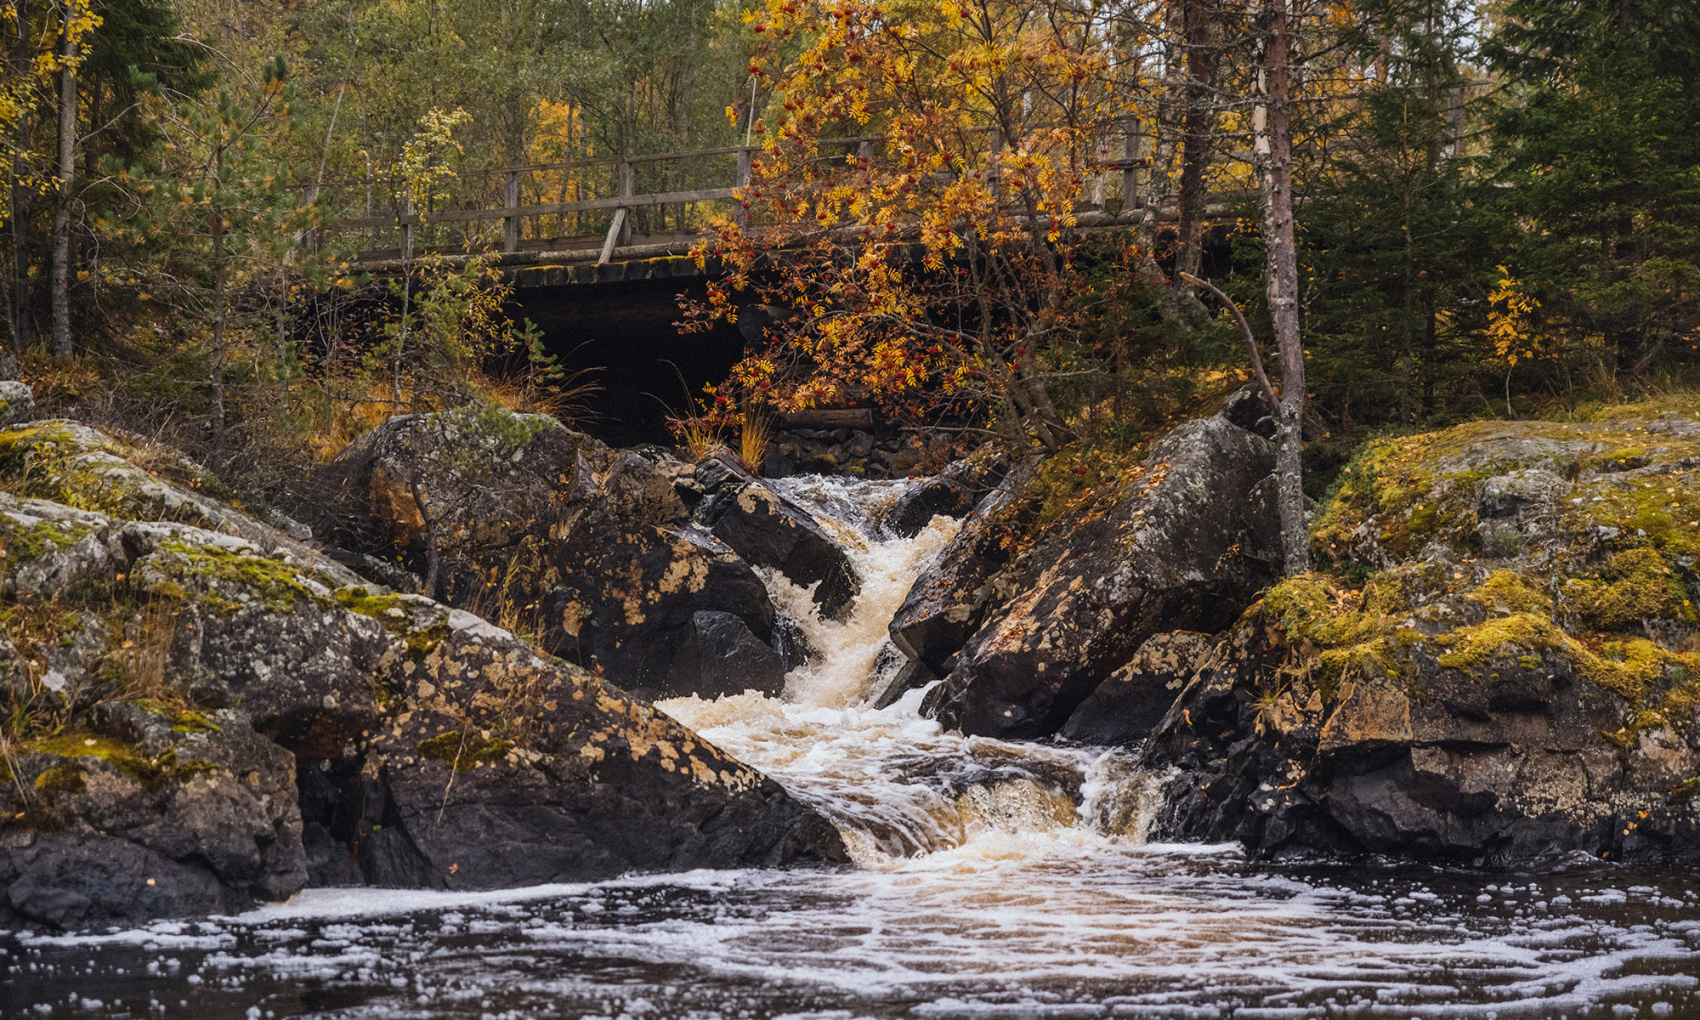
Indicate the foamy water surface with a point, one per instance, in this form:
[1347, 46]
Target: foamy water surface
[992, 880]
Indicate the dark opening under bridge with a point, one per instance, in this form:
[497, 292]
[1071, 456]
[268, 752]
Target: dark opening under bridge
[627, 225]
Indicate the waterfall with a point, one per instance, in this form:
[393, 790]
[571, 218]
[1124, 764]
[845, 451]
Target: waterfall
[894, 783]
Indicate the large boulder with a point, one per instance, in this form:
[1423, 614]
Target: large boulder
[176, 696]
[129, 479]
[500, 767]
[1515, 677]
[1183, 542]
[477, 490]
[524, 521]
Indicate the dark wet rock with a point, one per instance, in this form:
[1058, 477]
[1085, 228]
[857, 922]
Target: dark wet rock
[909, 676]
[1511, 681]
[791, 643]
[1247, 408]
[948, 601]
[734, 660]
[767, 530]
[1187, 544]
[722, 656]
[510, 769]
[334, 794]
[165, 814]
[1125, 707]
[953, 492]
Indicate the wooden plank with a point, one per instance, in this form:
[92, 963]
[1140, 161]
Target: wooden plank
[615, 229]
[837, 418]
[586, 205]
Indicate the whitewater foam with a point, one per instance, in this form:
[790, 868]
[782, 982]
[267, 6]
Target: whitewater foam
[894, 783]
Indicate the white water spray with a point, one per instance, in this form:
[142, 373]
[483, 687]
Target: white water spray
[896, 785]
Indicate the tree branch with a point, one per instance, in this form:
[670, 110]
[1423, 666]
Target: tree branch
[1245, 332]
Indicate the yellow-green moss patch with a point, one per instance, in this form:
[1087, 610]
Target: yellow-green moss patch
[464, 751]
[1506, 591]
[277, 584]
[1637, 585]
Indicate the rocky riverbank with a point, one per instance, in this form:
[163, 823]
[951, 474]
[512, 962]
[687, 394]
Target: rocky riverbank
[208, 712]
[1500, 660]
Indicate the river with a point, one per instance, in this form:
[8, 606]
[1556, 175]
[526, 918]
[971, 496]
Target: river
[992, 879]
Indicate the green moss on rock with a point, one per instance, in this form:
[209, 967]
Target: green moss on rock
[464, 751]
[65, 779]
[1637, 585]
[273, 583]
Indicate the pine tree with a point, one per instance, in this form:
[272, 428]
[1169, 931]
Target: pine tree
[1601, 167]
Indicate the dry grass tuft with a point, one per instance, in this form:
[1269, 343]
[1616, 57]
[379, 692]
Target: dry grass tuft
[755, 437]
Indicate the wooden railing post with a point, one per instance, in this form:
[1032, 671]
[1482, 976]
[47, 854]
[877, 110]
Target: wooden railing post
[741, 215]
[510, 223]
[1130, 152]
[626, 191]
[620, 230]
[407, 227]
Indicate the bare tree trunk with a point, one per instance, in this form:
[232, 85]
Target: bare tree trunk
[1272, 123]
[221, 282]
[60, 294]
[1157, 173]
[22, 327]
[1196, 132]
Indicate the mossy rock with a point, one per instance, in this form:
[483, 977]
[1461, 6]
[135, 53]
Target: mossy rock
[464, 750]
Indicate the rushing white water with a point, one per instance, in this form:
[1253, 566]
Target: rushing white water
[894, 783]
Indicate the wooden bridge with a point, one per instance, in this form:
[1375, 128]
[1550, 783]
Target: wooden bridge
[613, 220]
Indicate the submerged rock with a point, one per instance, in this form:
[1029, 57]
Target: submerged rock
[1186, 541]
[1515, 678]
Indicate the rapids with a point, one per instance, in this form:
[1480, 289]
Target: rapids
[897, 787]
[993, 879]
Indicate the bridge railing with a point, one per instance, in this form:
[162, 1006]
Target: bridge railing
[596, 204]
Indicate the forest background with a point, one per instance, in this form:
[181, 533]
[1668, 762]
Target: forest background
[1498, 206]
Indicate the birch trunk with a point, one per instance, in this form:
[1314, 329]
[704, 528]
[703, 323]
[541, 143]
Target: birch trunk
[1272, 124]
